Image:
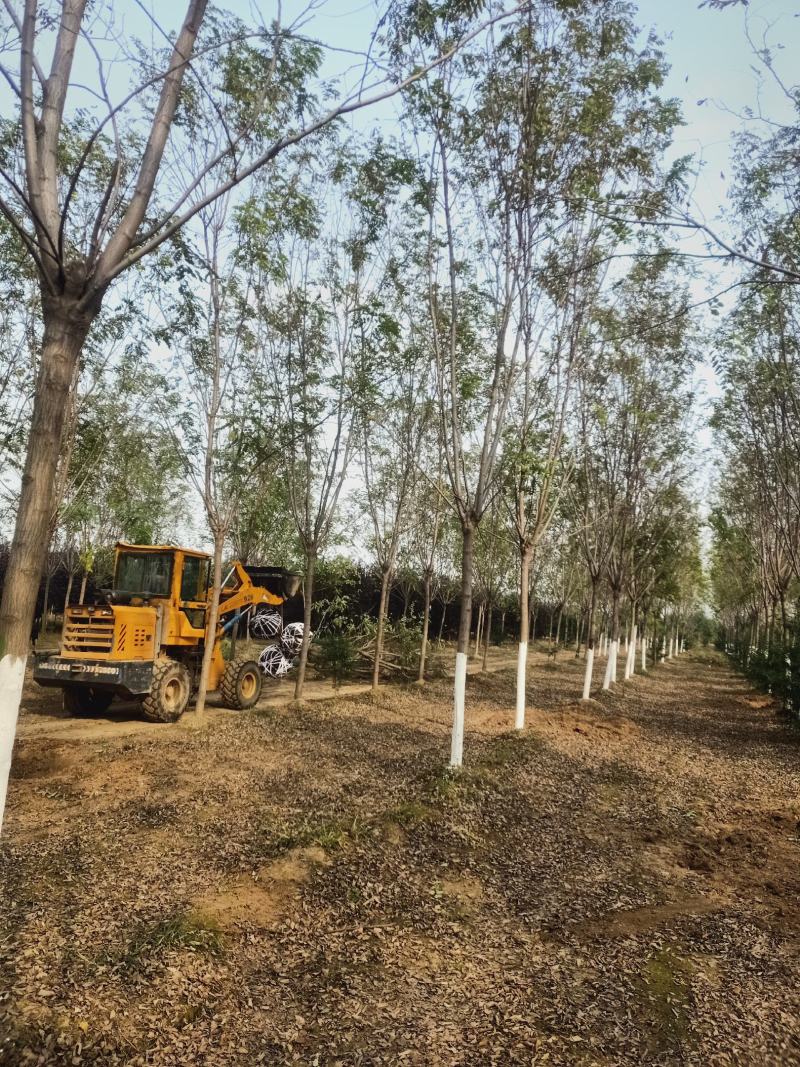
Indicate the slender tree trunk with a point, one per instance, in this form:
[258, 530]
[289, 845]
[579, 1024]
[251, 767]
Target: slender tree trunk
[630, 663]
[478, 630]
[487, 637]
[558, 629]
[68, 592]
[211, 625]
[630, 660]
[46, 601]
[311, 564]
[587, 674]
[441, 622]
[462, 648]
[524, 634]
[82, 594]
[426, 614]
[64, 335]
[376, 663]
[611, 663]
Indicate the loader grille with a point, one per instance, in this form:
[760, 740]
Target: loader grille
[88, 633]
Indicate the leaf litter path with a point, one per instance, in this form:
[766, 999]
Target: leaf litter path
[618, 885]
[42, 714]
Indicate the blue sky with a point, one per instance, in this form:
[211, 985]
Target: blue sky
[712, 61]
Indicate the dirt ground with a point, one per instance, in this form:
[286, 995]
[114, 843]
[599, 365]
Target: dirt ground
[618, 885]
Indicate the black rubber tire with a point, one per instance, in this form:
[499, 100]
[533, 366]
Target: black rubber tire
[169, 693]
[82, 700]
[241, 684]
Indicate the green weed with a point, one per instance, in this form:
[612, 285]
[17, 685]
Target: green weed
[184, 930]
[665, 998]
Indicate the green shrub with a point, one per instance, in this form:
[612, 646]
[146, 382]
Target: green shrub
[336, 653]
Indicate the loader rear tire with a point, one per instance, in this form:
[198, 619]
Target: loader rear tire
[169, 692]
[241, 684]
[85, 700]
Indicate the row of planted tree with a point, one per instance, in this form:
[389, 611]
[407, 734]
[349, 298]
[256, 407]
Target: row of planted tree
[755, 569]
[229, 314]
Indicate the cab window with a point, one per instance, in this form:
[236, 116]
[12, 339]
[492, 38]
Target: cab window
[144, 573]
[195, 578]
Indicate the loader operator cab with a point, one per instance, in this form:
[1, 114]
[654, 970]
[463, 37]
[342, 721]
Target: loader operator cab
[141, 576]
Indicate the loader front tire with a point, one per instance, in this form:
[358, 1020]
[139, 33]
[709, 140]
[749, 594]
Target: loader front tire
[85, 700]
[169, 692]
[241, 684]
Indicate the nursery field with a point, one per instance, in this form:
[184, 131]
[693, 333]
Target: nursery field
[620, 884]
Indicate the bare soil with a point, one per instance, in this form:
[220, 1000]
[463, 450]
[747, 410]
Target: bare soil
[308, 885]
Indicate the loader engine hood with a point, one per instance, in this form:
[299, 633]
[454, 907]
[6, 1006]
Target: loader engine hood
[103, 631]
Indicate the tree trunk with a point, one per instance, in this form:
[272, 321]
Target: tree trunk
[630, 659]
[311, 563]
[630, 662]
[611, 663]
[376, 663]
[82, 594]
[69, 590]
[478, 630]
[64, 335]
[524, 634]
[211, 625]
[441, 622]
[462, 648]
[587, 675]
[487, 637]
[46, 601]
[426, 613]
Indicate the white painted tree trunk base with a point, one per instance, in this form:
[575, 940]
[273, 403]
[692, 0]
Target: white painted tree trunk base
[12, 676]
[522, 662]
[644, 655]
[630, 659]
[611, 666]
[587, 675]
[459, 695]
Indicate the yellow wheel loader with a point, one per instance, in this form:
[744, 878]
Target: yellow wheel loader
[144, 638]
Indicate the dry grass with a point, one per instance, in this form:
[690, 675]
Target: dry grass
[619, 885]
